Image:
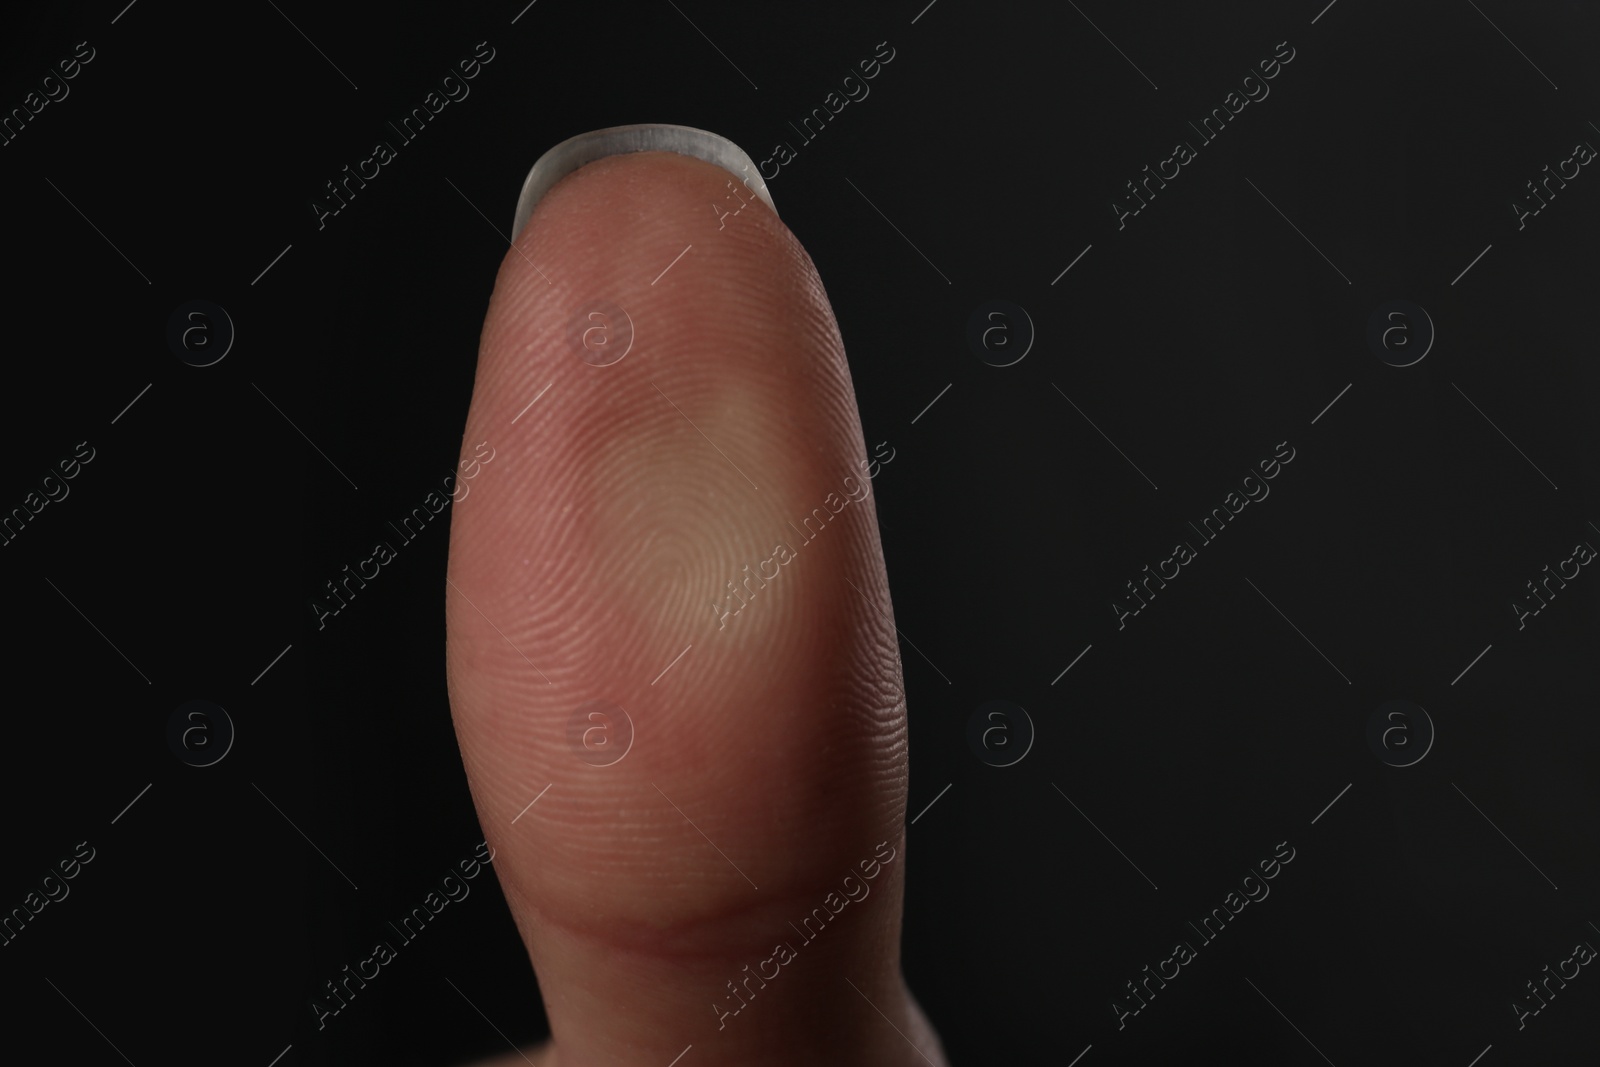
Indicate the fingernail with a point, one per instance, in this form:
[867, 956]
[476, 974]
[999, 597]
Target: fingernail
[574, 152]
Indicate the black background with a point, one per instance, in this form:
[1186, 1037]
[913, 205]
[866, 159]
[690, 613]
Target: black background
[1196, 338]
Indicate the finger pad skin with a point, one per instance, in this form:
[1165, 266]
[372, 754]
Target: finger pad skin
[599, 543]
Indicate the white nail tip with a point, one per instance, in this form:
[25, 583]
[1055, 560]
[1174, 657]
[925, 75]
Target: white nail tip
[574, 152]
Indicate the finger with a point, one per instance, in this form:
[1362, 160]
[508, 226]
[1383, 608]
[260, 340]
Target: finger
[687, 535]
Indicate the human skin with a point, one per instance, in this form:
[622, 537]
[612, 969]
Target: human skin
[769, 761]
